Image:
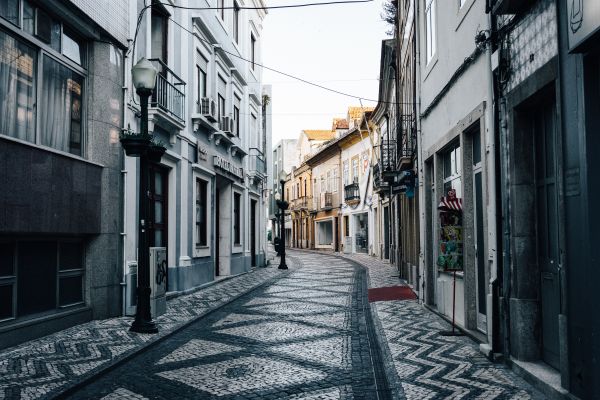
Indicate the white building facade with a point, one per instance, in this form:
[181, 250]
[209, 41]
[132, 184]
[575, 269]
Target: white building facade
[208, 193]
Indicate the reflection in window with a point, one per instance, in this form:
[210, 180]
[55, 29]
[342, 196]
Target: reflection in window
[9, 10]
[61, 97]
[17, 71]
[48, 29]
[71, 48]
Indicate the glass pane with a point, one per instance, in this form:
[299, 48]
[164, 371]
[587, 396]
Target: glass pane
[476, 148]
[62, 93]
[9, 9]
[6, 302]
[158, 212]
[7, 259]
[70, 256]
[457, 161]
[447, 165]
[36, 290]
[17, 71]
[158, 238]
[28, 18]
[158, 189]
[71, 48]
[48, 30]
[70, 290]
[549, 139]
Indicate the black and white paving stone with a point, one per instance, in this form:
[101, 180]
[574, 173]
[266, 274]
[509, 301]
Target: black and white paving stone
[304, 334]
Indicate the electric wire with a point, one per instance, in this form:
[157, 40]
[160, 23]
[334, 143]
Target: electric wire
[326, 3]
[143, 10]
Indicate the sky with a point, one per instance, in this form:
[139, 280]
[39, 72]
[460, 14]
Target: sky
[338, 46]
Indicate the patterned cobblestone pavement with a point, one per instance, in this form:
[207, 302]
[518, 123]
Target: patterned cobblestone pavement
[425, 365]
[46, 367]
[303, 336]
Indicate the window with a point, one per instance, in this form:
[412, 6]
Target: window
[452, 164]
[346, 172]
[9, 10]
[58, 88]
[237, 104]
[222, 89]
[202, 76]
[53, 270]
[355, 169]
[252, 50]
[158, 34]
[430, 34]
[329, 181]
[237, 221]
[201, 212]
[323, 188]
[236, 22]
[254, 139]
[335, 180]
[221, 7]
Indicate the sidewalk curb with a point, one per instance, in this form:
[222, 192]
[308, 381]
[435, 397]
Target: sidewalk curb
[71, 388]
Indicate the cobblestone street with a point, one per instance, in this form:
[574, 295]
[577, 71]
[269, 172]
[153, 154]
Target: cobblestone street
[308, 333]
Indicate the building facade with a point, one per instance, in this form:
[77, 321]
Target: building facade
[300, 206]
[60, 218]
[209, 191]
[283, 159]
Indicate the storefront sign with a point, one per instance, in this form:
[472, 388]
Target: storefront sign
[584, 20]
[451, 236]
[226, 165]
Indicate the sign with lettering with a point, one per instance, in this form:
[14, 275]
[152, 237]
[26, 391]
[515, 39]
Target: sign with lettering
[583, 17]
[228, 166]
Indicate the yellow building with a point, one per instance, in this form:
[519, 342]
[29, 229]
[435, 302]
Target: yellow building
[300, 205]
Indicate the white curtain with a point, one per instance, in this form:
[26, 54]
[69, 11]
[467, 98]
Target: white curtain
[17, 71]
[61, 95]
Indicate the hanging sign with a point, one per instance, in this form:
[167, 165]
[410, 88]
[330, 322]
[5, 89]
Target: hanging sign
[451, 240]
[583, 18]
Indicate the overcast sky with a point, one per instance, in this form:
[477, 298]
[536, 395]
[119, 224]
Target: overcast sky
[337, 46]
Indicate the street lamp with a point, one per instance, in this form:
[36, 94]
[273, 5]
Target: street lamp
[144, 79]
[277, 240]
[283, 205]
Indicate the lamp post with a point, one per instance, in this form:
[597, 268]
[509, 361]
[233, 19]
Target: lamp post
[144, 79]
[283, 205]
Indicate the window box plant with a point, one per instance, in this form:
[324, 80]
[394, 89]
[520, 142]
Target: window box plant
[135, 144]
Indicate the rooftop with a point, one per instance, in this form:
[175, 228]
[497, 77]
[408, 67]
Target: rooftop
[318, 134]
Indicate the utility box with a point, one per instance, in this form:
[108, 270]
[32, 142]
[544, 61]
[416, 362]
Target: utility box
[131, 287]
[348, 245]
[158, 281]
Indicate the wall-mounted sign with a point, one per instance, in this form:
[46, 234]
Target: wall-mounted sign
[202, 153]
[583, 17]
[228, 166]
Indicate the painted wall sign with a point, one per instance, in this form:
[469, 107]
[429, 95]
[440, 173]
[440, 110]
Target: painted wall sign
[228, 166]
[451, 234]
[584, 20]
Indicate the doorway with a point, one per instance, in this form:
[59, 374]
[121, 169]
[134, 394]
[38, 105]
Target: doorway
[159, 210]
[253, 228]
[479, 244]
[386, 233]
[547, 229]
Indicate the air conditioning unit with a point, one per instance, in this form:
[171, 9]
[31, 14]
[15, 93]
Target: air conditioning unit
[227, 125]
[208, 109]
[158, 280]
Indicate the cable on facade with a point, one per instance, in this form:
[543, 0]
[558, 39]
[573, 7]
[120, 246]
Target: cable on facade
[326, 3]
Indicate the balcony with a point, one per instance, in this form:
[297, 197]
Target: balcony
[257, 167]
[352, 193]
[302, 203]
[167, 103]
[387, 166]
[408, 142]
[502, 7]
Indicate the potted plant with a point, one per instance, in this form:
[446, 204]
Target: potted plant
[156, 150]
[135, 144]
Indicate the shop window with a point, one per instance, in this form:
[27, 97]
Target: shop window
[201, 212]
[237, 221]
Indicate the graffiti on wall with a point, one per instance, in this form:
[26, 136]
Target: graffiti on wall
[451, 234]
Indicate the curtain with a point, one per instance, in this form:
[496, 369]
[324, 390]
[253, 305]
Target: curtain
[61, 95]
[17, 71]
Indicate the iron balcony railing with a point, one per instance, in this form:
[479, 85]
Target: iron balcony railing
[388, 155]
[257, 162]
[352, 192]
[325, 201]
[302, 203]
[409, 136]
[169, 94]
